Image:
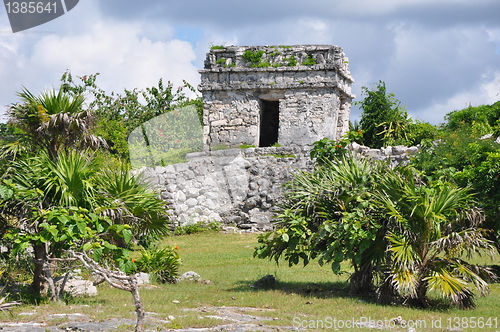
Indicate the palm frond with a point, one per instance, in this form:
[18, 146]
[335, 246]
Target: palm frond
[403, 254]
[472, 274]
[125, 199]
[405, 282]
[452, 287]
[468, 241]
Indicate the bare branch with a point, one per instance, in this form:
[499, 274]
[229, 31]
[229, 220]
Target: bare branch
[118, 280]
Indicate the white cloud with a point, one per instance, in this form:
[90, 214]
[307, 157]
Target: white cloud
[488, 92]
[12, 63]
[428, 52]
[120, 52]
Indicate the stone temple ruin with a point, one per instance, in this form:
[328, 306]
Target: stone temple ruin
[263, 95]
[257, 96]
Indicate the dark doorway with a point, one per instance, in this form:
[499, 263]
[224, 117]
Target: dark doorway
[269, 122]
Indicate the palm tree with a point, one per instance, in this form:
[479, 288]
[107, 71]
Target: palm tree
[401, 236]
[126, 199]
[42, 184]
[434, 228]
[76, 179]
[54, 121]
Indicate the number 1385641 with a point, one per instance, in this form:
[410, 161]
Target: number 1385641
[31, 7]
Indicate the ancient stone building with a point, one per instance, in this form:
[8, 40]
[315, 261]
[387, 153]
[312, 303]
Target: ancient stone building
[262, 95]
[259, 96]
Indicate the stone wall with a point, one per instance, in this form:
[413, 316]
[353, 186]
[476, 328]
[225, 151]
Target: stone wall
[394, 154]
[240, 186]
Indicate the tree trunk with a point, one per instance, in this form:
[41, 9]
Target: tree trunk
[422, 293]
[361, 281]
[39, 284]
[119, 280]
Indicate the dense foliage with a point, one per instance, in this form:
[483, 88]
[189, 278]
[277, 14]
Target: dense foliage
[384, 121]
[402, 236]
[118, 115]
[57, 195]
[468, 154]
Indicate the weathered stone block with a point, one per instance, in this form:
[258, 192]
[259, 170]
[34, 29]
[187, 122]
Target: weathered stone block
[315, 100]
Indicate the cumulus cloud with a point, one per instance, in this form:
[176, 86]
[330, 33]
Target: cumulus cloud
[431, 54]
[124, 54]
[120, 54]
[487, 92]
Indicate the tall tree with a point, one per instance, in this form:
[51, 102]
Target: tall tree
[384, 121]
[54, 121]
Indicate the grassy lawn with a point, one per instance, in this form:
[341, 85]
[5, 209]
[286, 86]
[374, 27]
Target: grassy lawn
[306, 297]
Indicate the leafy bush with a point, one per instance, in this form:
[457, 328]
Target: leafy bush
[461, 157]
[118, 115]
[255, 57]
[221, 61]
[326, 149]
[485, 114]
[403, 237]
[291, 61]
[202, 226]
[385, 121]
[163, 264]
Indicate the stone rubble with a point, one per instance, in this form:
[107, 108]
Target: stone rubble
[236, 319]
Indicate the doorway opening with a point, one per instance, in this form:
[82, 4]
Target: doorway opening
[269, 122]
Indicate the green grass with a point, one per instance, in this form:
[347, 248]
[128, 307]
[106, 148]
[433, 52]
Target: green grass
[308, 296]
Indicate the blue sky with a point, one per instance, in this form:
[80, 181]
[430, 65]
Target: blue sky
[435, 55]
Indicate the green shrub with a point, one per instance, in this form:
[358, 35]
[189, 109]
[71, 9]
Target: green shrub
[485, 114]
[202, 226]
[217, 47]
[309, 61]
[460, 157]
[163, 264]
[264, 64]
[255, 57]
[291, 61]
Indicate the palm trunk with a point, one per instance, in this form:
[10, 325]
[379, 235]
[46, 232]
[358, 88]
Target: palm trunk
[422, 293]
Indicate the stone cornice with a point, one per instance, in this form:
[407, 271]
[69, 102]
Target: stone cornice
[276, 67]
